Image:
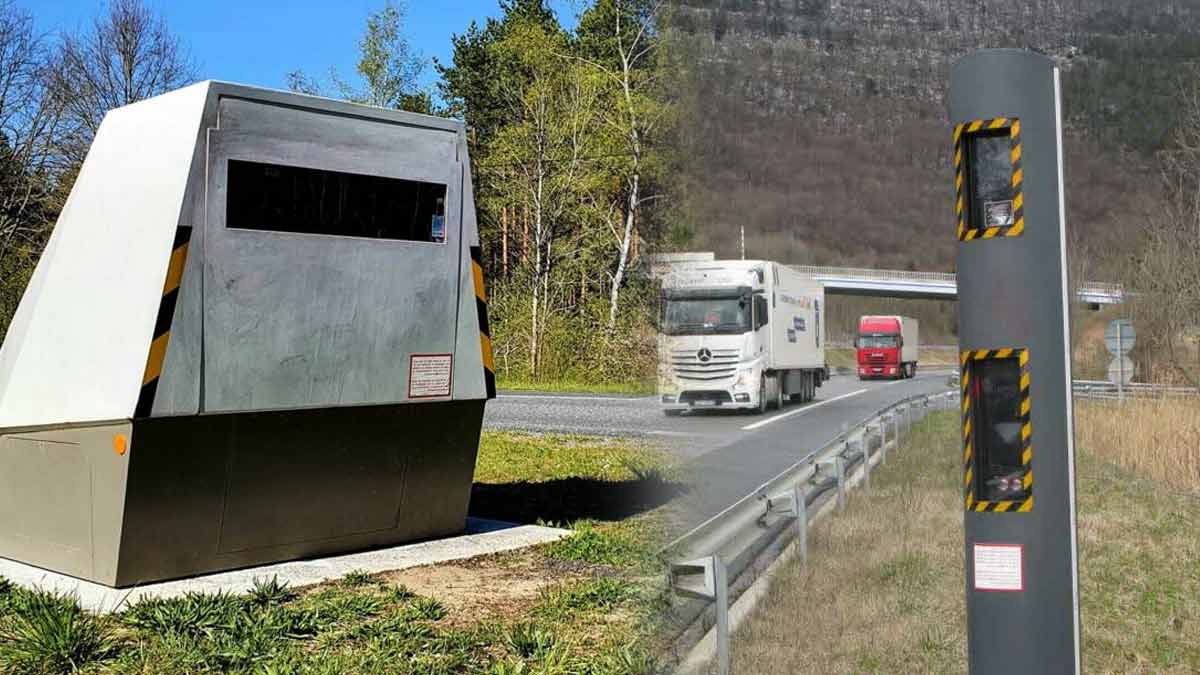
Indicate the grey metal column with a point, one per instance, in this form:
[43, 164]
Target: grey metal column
[1018, 447]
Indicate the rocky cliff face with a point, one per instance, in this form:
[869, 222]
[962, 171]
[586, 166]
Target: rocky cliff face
[820, 125]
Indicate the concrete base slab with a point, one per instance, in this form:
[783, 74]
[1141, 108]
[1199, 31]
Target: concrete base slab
[481, 537]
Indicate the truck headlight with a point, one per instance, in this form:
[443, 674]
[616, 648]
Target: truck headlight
[744, 377]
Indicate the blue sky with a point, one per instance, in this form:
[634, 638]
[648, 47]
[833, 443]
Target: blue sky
[260, 41]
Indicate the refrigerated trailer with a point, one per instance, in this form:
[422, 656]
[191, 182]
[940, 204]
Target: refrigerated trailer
[886, 347]
[739, 334]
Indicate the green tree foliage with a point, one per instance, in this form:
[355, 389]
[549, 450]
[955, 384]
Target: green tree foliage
[564, 129]
[389, 69]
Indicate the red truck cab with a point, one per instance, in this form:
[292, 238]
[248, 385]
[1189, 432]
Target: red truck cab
[886, 347]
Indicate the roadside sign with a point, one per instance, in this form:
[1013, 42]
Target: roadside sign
[1121, 370]
[1120, 337]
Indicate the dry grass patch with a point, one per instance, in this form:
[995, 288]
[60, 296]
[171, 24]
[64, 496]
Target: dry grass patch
[883, 592]
[1157, 439]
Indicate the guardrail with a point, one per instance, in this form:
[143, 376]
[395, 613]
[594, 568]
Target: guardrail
[725, 555]
[1104, 390]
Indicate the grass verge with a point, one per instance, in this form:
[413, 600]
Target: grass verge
[1158, 439]
[883, 592]
[586, 604]
[638, 387]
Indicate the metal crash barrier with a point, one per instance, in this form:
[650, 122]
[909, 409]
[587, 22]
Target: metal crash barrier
[258, 333]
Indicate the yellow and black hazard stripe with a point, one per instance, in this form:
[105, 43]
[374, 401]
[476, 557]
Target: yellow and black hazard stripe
[485, 332]
[962, 133]
[162, 324]
[972, 503]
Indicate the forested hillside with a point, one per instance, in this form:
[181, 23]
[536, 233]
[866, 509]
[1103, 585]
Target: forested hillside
[821, 125]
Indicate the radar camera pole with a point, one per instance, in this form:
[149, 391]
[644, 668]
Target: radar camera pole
[1018, 435]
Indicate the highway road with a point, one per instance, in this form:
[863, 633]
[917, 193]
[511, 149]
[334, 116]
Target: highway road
[726, 455]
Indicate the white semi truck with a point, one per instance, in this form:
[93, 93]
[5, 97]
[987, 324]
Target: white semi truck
[742, 334]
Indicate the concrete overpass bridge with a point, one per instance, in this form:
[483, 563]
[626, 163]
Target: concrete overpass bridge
[890, 283]
[927, 285]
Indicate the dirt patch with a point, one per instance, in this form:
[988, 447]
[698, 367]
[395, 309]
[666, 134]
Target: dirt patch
[486, 587]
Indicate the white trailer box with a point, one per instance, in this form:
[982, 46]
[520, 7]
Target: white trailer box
[909, 340]
[740, 334]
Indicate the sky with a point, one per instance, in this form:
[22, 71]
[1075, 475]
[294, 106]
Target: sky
[260, 41]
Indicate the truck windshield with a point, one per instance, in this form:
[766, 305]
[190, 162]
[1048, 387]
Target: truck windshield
[704, 316]
[876, 341]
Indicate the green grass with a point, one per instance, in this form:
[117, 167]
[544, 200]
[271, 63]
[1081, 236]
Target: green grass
[883, 591]
[636, 387]
[506, 457]
[339, 628]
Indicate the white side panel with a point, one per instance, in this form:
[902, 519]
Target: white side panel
[909, 331]
[77, 349]
[797, 325]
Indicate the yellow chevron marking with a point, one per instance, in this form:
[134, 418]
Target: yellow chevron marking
[990, 232]
[966, 379]
[958, 180]
[154, 362]
[957, 131]
[1028, 480]
[963, 357]
[1015, 129]
[967, 428]
[1018, 201]
[1024, 356]
[981, 506]
[971, 234]
[1018, 175]
[981, 354]
[1024, 381]
[958, 206]
[967, 478]
[957, 158]
[485, 344]
[975, 126]
[477, 272]
[966, 403]
[998, 122]
[1027, 456]
[1026, 432]
[1004, 353]
[1002, 506]
[1017, 228]
[175, 269]
[1015, 155]
[967, 453]
[1025, 406]
[1027, 506]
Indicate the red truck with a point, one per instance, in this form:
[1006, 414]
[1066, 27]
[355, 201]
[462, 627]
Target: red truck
[887, 347]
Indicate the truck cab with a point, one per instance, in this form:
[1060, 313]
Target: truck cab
[738, 334]
[886, 347]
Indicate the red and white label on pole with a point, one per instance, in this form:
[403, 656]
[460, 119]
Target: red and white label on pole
[999, 567]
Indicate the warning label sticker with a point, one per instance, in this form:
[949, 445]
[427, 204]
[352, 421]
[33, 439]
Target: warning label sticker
[998, 567]
[429, 375]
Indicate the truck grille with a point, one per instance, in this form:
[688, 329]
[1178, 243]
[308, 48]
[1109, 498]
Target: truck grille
[687, 364]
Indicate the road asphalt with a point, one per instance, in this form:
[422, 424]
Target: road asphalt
[725, 454]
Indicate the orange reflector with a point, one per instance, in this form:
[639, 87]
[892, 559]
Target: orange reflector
[120, 444]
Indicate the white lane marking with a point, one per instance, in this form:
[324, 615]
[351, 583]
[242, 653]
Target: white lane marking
[797, 411]
[569, 397]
